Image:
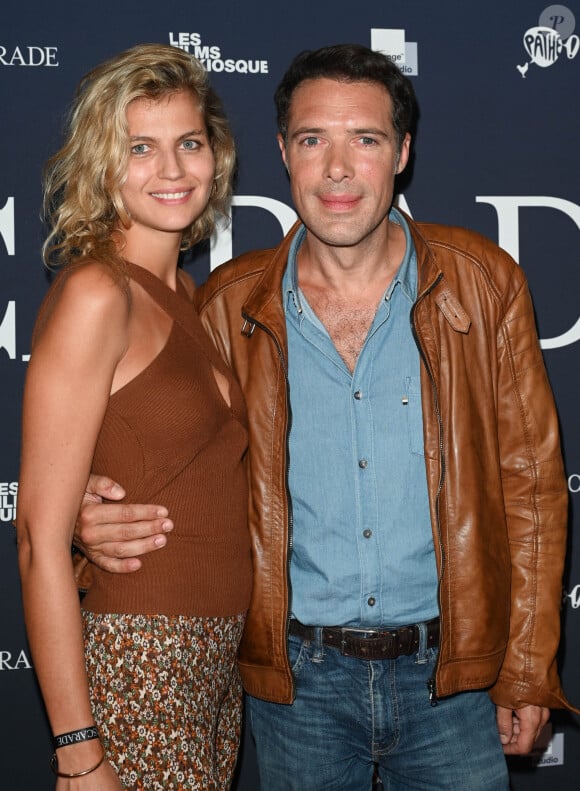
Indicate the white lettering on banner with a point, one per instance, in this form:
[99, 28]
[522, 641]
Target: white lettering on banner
[8, 501]
[184, 40]
[20, 661]
[191, 42]
[574, 483]
[211, 56]
[203, 53]
[221, 242]
[8, 330]
[7, 225]
[507, 208]
[574, 597]
[29, 56]
[240, 66]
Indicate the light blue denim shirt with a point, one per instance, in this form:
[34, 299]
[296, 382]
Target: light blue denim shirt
[363, 550]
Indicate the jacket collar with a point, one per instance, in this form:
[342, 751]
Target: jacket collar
[427, 270]
[264, 303]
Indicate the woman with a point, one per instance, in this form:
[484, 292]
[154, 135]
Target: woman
[141, 687]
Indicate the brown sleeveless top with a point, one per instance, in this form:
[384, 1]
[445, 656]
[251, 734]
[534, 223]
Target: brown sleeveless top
[170, 438]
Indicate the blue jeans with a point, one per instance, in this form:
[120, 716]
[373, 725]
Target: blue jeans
[350, 714]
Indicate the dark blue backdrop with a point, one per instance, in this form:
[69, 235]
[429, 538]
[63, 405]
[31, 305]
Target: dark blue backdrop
[496, 150]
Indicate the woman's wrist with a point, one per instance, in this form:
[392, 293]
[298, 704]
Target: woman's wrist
[73, 770]
[77, 752]
[75, 737]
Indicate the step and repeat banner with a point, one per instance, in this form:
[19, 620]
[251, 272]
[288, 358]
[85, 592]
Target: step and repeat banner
[496, 150]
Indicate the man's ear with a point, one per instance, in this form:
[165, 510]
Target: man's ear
[282, 145]
[403, 157]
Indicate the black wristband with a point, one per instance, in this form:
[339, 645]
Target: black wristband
[75, 737]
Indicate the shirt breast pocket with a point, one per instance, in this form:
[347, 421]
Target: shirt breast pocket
[414, 410]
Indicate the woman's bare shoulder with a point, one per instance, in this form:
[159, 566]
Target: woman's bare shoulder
[85, 296]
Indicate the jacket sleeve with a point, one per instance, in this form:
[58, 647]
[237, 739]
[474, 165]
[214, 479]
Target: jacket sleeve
[536, 508]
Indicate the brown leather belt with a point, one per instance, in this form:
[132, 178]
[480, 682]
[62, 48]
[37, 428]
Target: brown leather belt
[370, 643]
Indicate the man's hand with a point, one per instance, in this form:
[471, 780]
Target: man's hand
[518, 729]
[112, 535]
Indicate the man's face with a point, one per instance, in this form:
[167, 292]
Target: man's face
[341, 154]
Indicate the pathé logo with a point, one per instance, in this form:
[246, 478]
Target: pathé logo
[552, 36]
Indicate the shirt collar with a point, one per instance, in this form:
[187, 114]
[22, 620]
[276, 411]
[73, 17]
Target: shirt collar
[290, 280]
[406, 274]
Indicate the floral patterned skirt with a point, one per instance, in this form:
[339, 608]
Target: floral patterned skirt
[167, 697]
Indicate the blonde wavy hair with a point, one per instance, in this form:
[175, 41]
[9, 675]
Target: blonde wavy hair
[82, 182]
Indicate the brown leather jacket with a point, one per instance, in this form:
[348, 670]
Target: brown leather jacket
[497, 489]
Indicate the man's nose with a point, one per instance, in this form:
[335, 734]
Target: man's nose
[339, 162]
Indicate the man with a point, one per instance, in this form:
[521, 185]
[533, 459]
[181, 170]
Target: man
[408, 502]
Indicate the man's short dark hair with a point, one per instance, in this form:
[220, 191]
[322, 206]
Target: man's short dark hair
[349, 63]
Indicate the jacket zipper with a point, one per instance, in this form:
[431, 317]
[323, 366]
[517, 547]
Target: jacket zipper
[249, 333]
[432, 682]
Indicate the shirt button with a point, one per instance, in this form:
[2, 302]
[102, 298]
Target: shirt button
[363, 464]
[371, 601]
[358, 395]
[367, 533]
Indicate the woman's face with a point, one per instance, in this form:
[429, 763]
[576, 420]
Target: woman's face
[171, 164]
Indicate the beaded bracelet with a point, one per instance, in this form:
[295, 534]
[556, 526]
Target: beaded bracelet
[75, 737]
[55, 769]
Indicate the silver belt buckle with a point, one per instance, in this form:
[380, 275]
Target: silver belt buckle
[370, 633]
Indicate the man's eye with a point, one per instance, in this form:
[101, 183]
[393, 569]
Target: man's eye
[310, 141]
[368, 141]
